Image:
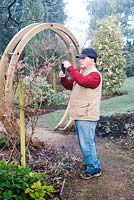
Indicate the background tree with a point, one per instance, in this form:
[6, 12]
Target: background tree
[10, 13]
[129, 47]
[54, 11]
[16, 14]
[108, 41]
[32, 11]
[100, 9]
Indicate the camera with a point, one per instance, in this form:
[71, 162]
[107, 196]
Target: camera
[63, 68]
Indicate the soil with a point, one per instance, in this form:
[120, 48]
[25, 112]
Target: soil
[117, 163]
[58, 154]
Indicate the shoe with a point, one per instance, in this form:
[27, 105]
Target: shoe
[87, 175]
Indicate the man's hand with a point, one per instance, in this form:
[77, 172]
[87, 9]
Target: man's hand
[61, 74]
[66, 64]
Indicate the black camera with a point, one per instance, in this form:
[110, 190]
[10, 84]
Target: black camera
[63, 68]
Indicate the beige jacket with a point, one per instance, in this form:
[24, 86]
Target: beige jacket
[85, 102]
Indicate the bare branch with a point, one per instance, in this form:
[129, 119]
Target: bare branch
[10, 16]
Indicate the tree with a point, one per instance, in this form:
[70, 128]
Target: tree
[99, 9]
[16, 14]
[32, 11]
[108, 41]
[43, 11]
[129, 54]
[10, 21]
[55, 11]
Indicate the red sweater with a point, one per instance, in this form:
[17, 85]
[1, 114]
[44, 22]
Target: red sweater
[91, 80]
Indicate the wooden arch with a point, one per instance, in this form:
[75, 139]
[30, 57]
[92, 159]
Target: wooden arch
[9, 60]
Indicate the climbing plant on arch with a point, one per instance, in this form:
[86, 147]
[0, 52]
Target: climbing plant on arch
[8, 63]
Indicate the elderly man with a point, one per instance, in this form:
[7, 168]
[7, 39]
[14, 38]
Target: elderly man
[85, 100]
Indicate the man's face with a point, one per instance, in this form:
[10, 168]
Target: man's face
[86, 62]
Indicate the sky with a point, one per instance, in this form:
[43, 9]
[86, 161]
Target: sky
[77, 18]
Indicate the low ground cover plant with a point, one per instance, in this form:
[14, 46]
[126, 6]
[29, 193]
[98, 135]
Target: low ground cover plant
[19, 183]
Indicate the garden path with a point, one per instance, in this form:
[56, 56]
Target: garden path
[117, 180]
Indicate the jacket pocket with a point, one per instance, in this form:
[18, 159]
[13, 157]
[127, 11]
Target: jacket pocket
[79, 109]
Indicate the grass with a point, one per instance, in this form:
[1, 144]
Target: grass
[114, 105]
[50, 120]
[120, 104]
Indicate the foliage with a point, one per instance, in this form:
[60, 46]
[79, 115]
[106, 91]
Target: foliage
[129, 54]
[43, 11]
[17, 14]
[3, 141]
[54, 11]
[21, 183]
[39, 88]
[45, 53]
[32, 12]
[47, 47]
[109, 45]
[8, 25]
[39, 92]
[116, 125]
[124, 10]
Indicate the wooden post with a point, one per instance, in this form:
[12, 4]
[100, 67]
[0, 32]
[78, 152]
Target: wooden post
[22, 123]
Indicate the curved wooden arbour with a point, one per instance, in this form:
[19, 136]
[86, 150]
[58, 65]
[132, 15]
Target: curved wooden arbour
[9, 60]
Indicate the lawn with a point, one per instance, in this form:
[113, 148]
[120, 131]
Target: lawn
[118, 104]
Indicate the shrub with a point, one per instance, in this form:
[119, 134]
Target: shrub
[129, 54]
[130, 70]
[19, 183]
[39, 92]
[3, 141]
[108, 42]
[116, 125]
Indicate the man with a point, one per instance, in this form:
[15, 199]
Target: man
[85, 106]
